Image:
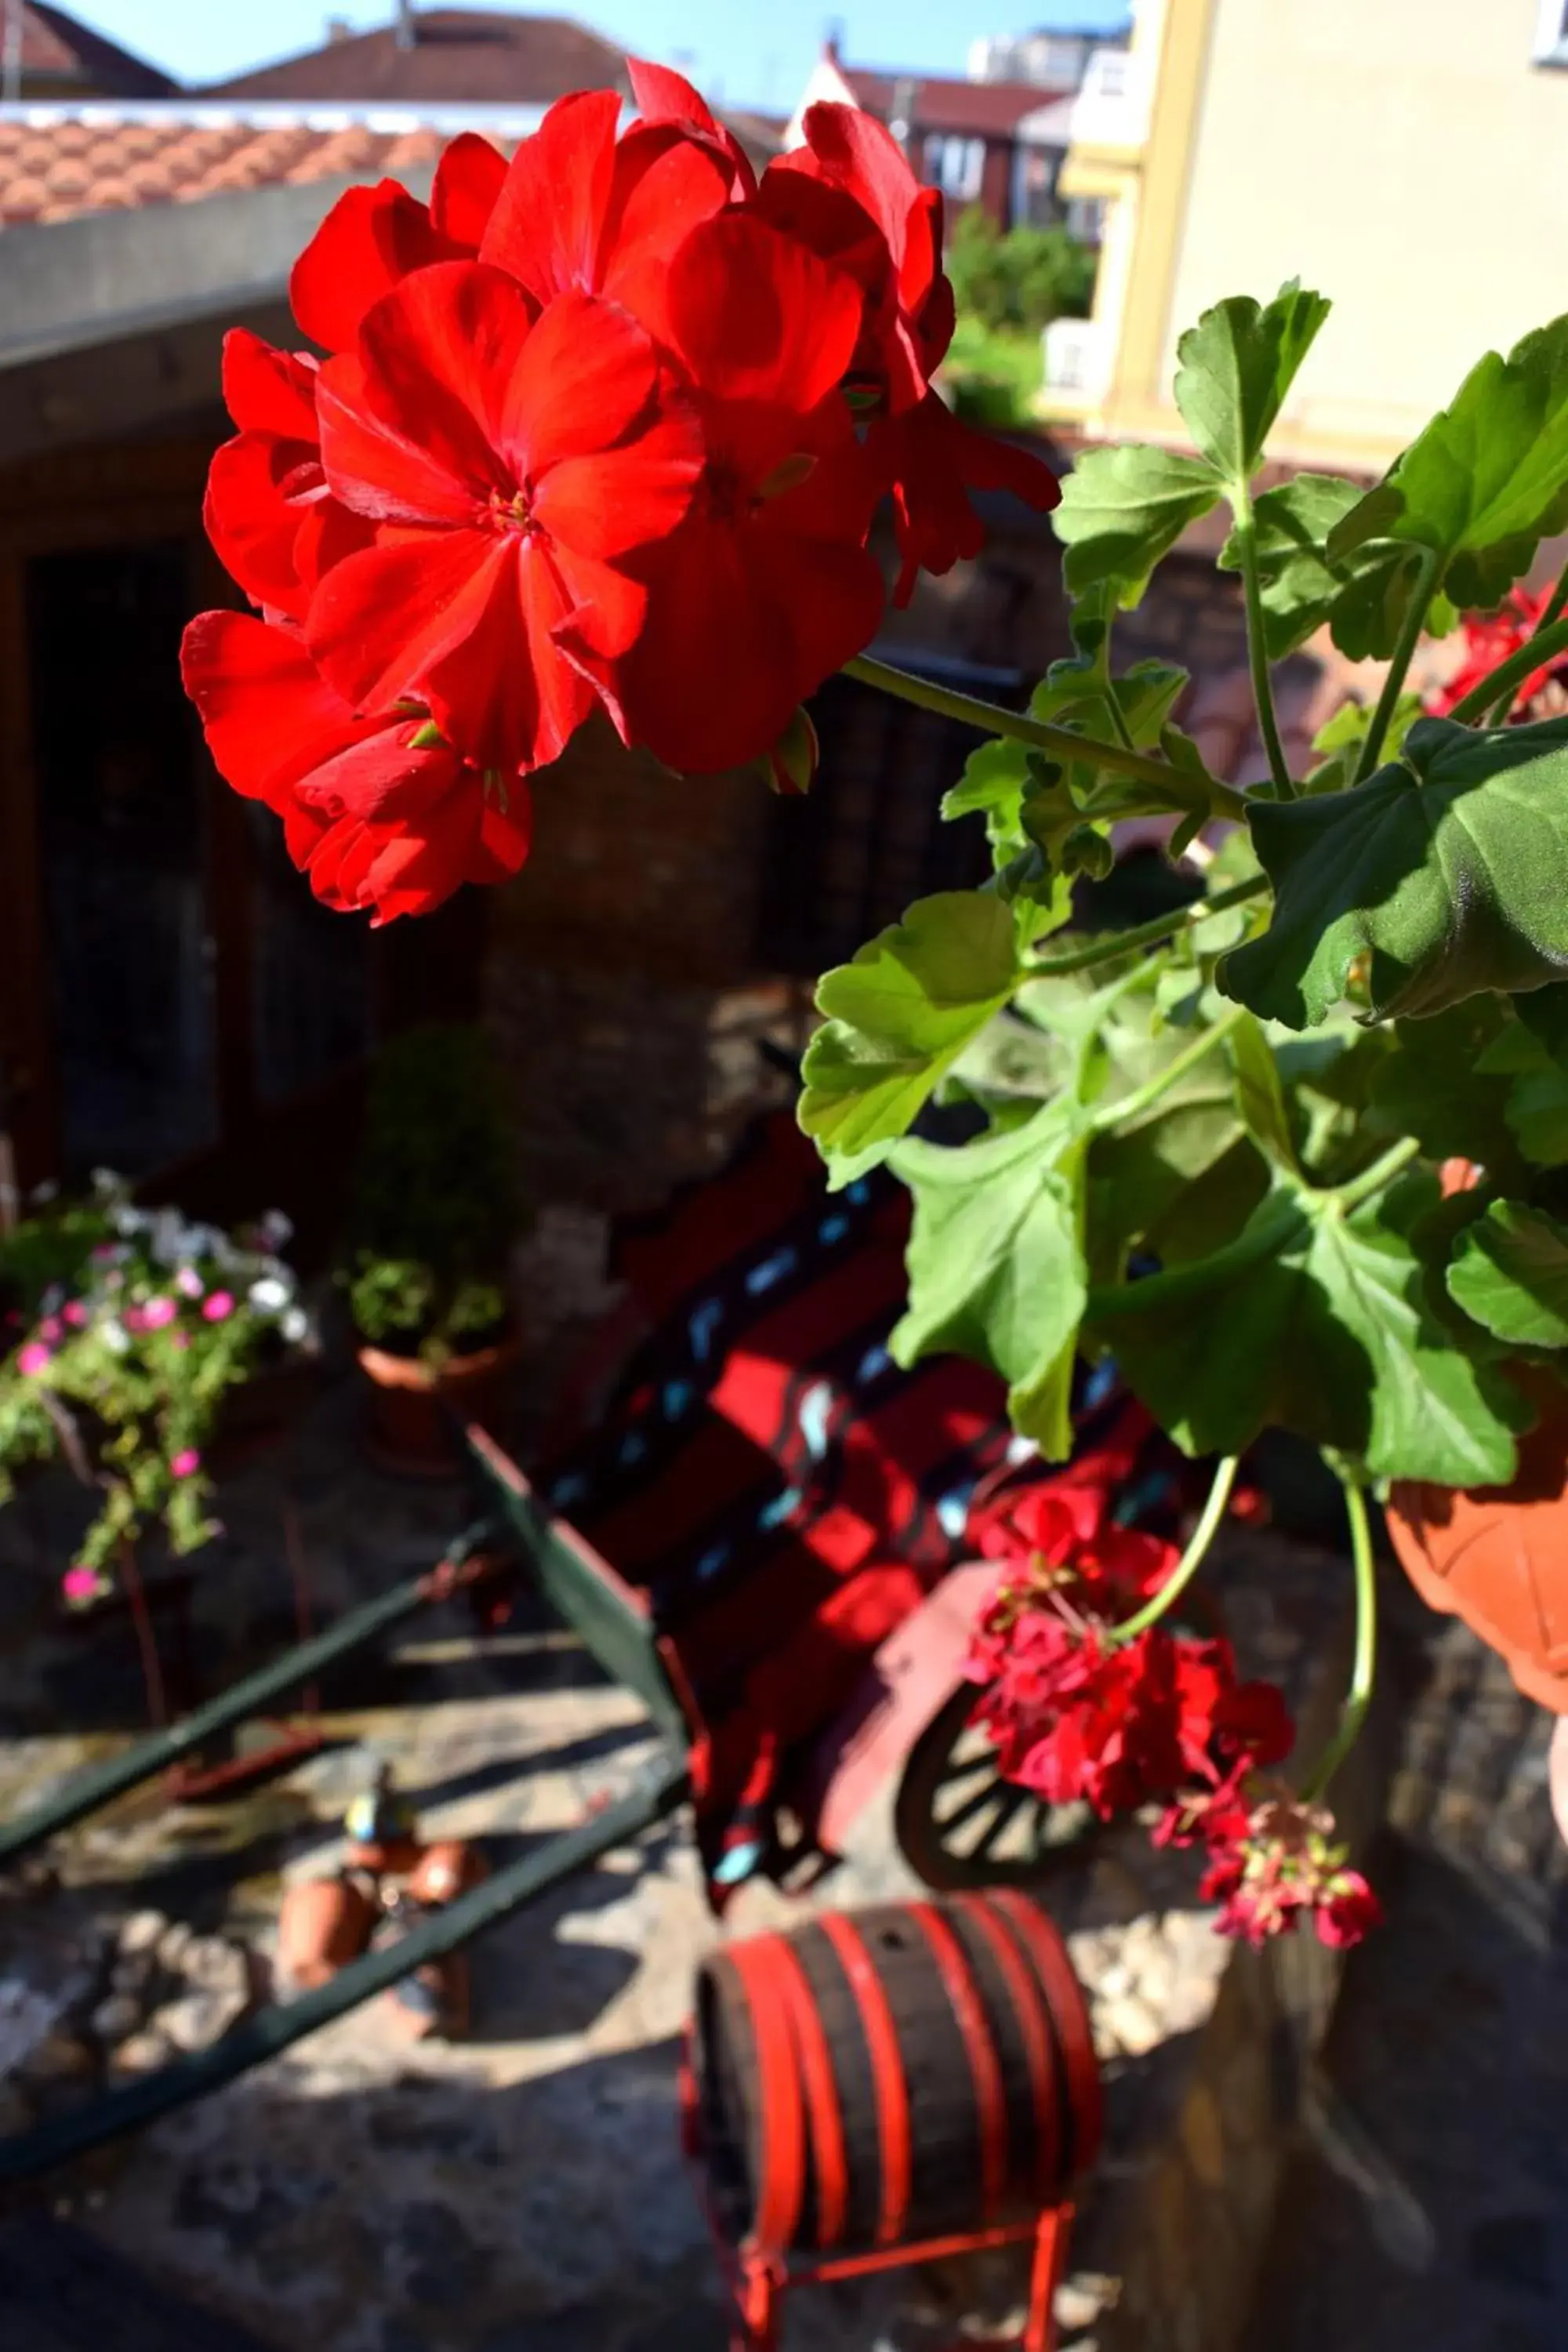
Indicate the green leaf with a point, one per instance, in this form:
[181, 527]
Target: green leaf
[1234, 368]
[1259, 1096]
[1510, 1273]
[1317, 1323]
[1122, 508]
[1483, 485]
[1448, 870]
[996, 1262]
[899, 1015]
[1436, 1086]
[1349, 728]
[1298, 582]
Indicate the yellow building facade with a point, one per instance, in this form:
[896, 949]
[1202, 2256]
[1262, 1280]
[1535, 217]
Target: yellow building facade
[1408, 158]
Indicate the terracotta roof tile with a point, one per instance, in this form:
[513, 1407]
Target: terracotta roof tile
[56, 49]
[55, 161]
[978, 109]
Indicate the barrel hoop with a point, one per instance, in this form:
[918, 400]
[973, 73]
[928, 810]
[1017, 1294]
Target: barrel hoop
[781, 2126]
[985, 2072]
[892, 2089]
[830, 2163]
[1035, 2031]
[1069, 2020]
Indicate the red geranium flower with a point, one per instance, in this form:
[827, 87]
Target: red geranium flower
[373, 238]
[584, 211]
[1490, 638]
[270, 516]
[509, 464]
[930, 459]
[1271, 1861]
[767, 587]
[379, 812]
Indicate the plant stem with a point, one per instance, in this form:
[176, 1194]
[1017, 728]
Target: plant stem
[1364, 1669]
[1256, 642]
[1143, 1098]
[1192, 1559]
[1509, 675]
[1179, 790]
[1380, 1175]
[1403, 651]
[1146, 935]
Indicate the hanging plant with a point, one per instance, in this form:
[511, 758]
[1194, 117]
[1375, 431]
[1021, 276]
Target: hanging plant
[615, 454]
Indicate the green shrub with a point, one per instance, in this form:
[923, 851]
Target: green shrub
[1023, 279]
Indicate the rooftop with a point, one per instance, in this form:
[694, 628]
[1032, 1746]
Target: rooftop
[54, 49]
[935, 102]
[448, 54]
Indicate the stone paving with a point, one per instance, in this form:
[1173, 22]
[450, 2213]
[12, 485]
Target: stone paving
[523, 2189]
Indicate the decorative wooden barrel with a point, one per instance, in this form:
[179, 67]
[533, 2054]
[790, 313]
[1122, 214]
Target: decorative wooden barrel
[918, 2071]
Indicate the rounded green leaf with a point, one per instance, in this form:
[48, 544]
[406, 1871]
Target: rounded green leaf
[1510, 1273]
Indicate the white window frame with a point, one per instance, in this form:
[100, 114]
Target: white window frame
[1552, 34]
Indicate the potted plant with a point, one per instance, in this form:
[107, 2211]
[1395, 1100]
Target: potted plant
[435, 1212]
[128, 1333]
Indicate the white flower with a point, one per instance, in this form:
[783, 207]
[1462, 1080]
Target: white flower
[42, 1194]
[295, 1326]
[115, 1335]
[270, 1297]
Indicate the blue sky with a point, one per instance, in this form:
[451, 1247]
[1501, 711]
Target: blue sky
[749, 52]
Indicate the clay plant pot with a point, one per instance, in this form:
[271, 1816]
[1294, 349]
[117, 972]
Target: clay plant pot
[1498, 1557]
[415, 1409]
[324, 1924]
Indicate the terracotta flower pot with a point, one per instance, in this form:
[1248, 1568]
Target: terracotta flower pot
[324, 1924]
[413, 1406]
[1498, 1557]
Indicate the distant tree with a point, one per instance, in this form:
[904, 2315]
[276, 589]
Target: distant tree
[1023, 280]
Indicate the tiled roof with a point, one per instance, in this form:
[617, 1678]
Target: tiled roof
[56, 49]
[457, 55]
[985, 109]
[57, 161]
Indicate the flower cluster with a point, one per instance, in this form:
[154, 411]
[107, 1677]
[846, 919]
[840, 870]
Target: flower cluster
[1271, 1861]
[1488, 639]
[128, 1328]
[600, 430]
[1079, 1709]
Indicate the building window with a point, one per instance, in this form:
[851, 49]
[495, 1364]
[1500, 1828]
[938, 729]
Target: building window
[1552, 34]
[956, 166]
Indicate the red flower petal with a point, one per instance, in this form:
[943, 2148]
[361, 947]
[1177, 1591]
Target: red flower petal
[504, 689]
[665, 97]
[437, 356]
[584, 376]
[614, 499]
[468, 180]
[381, 620]
[549, 217]
[664, 186]
[250, 518]
[267, 390]
[268, 716]
[369, 241]
[758, 317]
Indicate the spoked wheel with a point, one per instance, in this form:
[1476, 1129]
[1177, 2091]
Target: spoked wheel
[958, 1825]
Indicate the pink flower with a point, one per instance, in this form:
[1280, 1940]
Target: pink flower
[185, 1463]
[75, 1314]
[188, 1282]
[158, 1312]
[33, 1359]
[52, 1329]
[219, 1306]
[80, 1584]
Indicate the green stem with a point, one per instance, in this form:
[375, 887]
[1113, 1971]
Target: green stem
[1404, 652]
[1380, 1175]
[1364, 1669]
[1511, 674]
[1149, 934]
[1130, 1106]
[1192, 1559]
[1178, 790]
[1496, 716]
[1256, 641]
